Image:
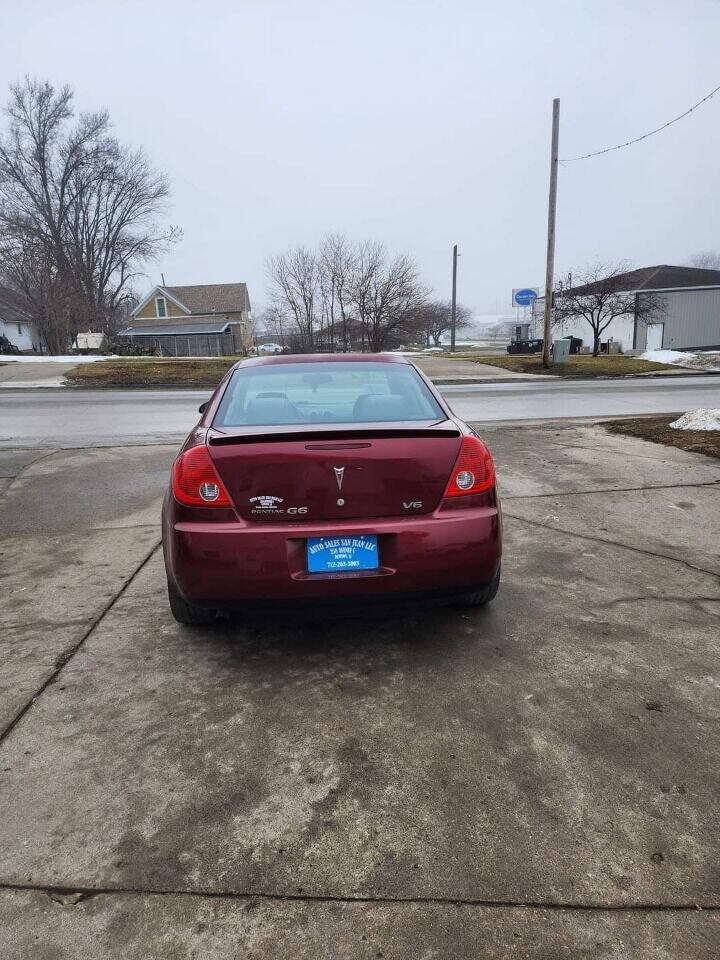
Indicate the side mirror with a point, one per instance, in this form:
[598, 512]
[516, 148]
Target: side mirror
[203, 407]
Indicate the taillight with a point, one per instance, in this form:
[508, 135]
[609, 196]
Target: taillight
[195, 481]
[474, 470]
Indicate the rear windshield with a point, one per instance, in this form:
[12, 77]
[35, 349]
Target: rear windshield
[339, 392]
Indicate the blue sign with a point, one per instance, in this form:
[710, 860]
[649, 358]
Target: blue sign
[326, 554]
[524, 297]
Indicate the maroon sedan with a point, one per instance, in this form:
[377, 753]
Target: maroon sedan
[321, 478]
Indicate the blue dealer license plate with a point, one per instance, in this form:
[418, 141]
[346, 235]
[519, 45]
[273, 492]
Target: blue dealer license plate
[328, 554]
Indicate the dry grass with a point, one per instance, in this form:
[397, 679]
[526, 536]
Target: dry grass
[580, 365]
[657, 430]
[151, 372]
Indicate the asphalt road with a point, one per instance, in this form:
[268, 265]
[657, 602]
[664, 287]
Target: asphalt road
[104, 417]
[537, 399]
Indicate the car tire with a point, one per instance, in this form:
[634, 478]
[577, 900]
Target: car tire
[189, 614]
[480, 597]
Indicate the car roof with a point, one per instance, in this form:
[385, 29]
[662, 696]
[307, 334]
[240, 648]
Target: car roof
[324, 358]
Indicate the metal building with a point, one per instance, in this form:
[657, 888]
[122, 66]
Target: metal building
[689, 320]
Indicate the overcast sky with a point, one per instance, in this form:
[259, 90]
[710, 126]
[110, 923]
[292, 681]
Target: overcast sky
[415, 122]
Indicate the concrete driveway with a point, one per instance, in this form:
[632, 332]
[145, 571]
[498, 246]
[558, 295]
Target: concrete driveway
[538, 779]
[49, 373]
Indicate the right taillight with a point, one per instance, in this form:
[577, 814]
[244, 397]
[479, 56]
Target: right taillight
[474, 470]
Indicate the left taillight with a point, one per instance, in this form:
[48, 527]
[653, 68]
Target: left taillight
[195, 481]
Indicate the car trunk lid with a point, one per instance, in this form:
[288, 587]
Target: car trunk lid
[320, 474]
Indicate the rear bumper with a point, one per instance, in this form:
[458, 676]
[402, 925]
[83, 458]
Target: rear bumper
[224, 564]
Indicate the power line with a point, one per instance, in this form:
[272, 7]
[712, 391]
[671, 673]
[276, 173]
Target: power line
[629, 143]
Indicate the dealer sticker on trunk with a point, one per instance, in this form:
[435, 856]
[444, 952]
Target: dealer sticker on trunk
[328, 554]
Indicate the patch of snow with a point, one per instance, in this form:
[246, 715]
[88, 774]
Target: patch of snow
[705, 360]
[80, 358]
[704, 418]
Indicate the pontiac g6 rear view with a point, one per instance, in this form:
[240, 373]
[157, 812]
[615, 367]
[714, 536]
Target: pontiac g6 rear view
[329, 478]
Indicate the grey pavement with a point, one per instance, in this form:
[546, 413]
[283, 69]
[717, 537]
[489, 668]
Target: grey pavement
[543, 399]
[16, 374]
[536, 779]
[440, 368]
[77, 418]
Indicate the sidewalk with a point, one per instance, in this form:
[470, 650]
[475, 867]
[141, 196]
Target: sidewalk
[33, 374]
[442, 370]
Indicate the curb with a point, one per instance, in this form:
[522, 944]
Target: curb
[439, 382]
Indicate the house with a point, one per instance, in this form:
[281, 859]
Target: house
[209, 320]
[15, 324]
[690, 317]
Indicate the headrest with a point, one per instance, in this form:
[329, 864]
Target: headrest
[378, 406]
[270, 410]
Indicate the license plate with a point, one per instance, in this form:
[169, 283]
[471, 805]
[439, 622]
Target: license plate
[328, 554]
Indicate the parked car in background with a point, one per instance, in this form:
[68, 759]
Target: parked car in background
[532, 345]
[316, 478]
[269, 349]
[6, 347]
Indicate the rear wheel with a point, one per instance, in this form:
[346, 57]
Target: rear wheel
[487, 593]
[190, 614]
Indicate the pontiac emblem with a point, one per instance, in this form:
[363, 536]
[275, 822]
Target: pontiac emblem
[339, 472]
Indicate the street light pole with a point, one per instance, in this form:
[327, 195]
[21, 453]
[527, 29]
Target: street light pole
[453, 312]
[552, 204]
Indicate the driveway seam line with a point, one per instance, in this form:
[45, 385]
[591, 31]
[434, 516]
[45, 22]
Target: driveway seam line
[584, 493]
[614, 543]
[90, 892]
[67, 655]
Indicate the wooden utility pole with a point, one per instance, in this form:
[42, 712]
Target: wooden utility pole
[453, 312]
[550, 262]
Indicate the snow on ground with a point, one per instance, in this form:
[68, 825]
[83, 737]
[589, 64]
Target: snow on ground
[706, 360]
[21, 358]
[704, 418]
[34, 358]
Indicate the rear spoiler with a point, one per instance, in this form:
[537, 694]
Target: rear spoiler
[348, 433]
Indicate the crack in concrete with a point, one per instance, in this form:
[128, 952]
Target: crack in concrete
[19, 475]
[582, 493]
[658, 599]
[78, 894]
[612, 543]
[66, 656]
[38, 624]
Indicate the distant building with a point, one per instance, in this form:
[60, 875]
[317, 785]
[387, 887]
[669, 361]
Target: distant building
[209, 320]
[89, 342]
[15, 324]
[690, 319]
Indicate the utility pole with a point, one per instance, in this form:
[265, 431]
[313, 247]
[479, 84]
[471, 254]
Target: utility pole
[454, 301]
[552, 204]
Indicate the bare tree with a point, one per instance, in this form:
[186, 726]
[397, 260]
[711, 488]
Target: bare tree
[274, 322]
[345, 293]
[709, 260]
[596, 295]
[434, 318]
[78, 212]
[294, 279]
[387, 294]
[337, 262]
